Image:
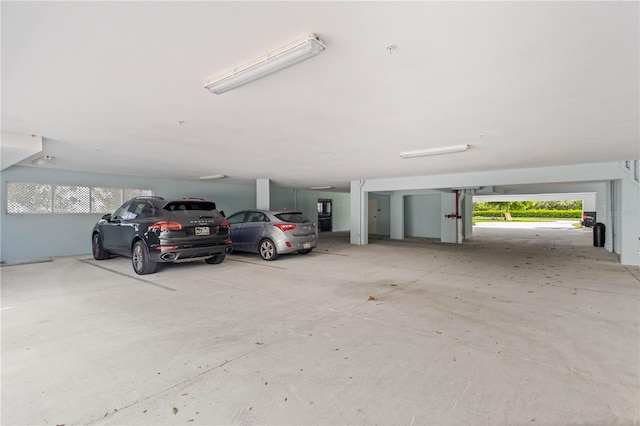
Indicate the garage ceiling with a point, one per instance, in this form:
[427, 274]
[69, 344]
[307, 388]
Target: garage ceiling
[118, 87]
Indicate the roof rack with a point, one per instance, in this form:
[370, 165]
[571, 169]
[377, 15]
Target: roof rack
[193, 198]
[148, 197]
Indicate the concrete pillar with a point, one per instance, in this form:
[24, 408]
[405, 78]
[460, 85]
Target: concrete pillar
[262, 194]
[629, 214]
[448, 226]
[359, 213]
[610, 221]
[397, 217]
[467, 214]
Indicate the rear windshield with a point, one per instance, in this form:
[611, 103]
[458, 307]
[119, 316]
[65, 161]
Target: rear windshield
[292, 217]
[189, 205]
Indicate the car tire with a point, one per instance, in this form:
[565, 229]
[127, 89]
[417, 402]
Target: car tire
[99, 253]
[307, 251]
[140, 260]
[267, 249]
[215, 260]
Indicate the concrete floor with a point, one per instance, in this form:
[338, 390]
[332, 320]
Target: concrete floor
[513, 327]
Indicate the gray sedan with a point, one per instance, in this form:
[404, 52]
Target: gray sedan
[272, 232]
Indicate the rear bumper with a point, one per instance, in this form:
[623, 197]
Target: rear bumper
[185, 254]
[296, 244]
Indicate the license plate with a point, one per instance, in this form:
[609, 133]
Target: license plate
[202, 230]
[306, 245]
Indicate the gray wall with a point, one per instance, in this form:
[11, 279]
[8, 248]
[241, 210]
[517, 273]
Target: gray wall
[422, 216]
[34, 236]
[306, 201]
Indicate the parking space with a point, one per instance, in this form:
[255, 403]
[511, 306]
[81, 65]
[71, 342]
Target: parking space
[519, 326]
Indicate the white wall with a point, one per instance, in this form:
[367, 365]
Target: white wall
[422, 215]
[306, 201]
[627, 213]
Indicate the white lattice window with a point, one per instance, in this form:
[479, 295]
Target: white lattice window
[105, 200]
[34, 198]
[132, 193]
[71, 199]
[28, 198]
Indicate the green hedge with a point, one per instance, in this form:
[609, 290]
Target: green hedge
[560, 214]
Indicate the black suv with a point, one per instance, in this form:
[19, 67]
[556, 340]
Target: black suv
[153, 230]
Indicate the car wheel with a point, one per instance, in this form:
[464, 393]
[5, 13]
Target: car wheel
[215, 259]
[307, 251]
[268, 250]
[140, 259]
[99, 253]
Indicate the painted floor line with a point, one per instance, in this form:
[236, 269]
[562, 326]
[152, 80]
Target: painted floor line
[89, 262]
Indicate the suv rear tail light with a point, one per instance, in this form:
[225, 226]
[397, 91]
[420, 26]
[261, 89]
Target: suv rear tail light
[166, 226]
[225, 224]
[285, 226]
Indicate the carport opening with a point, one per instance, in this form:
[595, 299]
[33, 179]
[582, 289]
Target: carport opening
[524, 219]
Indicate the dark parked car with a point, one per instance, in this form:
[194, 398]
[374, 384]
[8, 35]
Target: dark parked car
[272, 233]
[588, 219]
[152, 230]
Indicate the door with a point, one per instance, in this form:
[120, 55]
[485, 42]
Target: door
[325, 215]
[235, 225]
[373, 216]
[112, 230]
[253, 229]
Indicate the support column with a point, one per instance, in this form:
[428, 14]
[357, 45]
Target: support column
[604, 207]
[397, 216]
[467, 214]
[359, 213]
[629, 214]
[262, 194]
[448, 225]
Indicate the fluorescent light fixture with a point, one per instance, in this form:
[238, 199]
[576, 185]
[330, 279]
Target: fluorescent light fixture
[212, 177]
[434, 151]
[321, 187]
[284, 57]
[42, 160]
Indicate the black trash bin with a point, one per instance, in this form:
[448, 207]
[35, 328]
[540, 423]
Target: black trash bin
[598, 234]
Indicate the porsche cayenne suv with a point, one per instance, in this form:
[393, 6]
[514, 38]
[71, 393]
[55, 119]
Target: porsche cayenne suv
[272, 233]
[152, 230]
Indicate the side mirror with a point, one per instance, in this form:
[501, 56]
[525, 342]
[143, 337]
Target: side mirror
[107, 216]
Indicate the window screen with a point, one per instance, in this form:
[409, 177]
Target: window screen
[35, 198]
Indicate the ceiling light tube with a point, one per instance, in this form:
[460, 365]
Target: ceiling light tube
[321, 187]
[212, 177]
[277, 60]
[434, 151]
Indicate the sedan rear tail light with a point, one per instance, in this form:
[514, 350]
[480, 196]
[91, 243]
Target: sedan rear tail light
[166, 226]
[285, 226]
